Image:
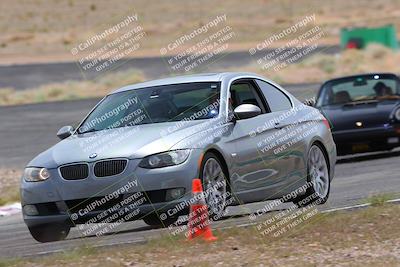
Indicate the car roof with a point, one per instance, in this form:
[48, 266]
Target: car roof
[202, 77]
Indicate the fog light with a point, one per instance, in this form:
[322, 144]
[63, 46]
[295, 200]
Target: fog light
[30, 210]
[174, 193]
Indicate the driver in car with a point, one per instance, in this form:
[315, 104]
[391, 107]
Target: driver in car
[382, 90]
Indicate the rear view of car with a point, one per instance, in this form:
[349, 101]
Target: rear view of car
[364, 111]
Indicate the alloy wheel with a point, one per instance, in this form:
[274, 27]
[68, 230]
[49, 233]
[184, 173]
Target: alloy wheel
[214, 186]
[318, 171]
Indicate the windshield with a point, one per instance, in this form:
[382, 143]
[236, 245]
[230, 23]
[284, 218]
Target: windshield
[189, 101]
[362, 88]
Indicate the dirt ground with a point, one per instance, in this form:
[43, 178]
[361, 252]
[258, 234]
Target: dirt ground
[46, 30]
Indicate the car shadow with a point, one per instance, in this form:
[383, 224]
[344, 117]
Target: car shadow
[147, 228]
[130, 230]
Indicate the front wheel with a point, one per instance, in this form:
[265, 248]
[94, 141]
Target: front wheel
[49, 232]
[317, 177]
[214, 185]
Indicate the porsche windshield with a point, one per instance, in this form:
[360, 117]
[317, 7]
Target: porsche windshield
[359, 89]
[189, 101]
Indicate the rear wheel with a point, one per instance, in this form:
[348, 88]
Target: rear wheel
[318, 177]
[49, 232]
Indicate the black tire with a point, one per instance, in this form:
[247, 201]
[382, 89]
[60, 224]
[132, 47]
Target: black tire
[208, 156]
[49, 232]
[154, 220]
[311, 195]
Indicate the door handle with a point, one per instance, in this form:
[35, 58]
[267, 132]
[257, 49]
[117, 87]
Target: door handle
[278, 126]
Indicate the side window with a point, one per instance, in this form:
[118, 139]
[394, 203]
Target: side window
[245, 93]
[276, 99]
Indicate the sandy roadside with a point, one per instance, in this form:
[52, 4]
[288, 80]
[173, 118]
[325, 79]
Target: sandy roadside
[9, 185]
[43, 58]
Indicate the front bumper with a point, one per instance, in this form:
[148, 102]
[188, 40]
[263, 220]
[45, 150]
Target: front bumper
[166, 209]
[133, 194]
[375, 138]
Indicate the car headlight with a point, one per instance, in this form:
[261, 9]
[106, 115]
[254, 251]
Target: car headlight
[397, 114]
[165, 159]
[33, 174]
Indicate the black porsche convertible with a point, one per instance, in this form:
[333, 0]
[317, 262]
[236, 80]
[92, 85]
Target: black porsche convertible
[363, 110]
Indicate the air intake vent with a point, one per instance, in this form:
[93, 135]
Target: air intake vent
[109, 167]
[75, 172]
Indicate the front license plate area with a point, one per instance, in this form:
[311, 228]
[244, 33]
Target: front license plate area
[357, 148]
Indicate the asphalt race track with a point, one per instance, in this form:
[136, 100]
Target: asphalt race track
[29, 129]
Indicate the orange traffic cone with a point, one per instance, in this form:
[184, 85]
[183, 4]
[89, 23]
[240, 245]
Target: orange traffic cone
[199, 223]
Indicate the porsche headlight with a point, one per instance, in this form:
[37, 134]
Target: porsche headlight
[397, 114]
[33, 174]
[165, 159]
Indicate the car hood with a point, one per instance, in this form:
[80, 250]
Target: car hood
[344, 117]
[127, 142]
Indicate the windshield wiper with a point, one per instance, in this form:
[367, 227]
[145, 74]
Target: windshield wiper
[360, 102]
[88, 131]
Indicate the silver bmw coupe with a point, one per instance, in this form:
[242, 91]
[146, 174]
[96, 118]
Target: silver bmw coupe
[135, 154]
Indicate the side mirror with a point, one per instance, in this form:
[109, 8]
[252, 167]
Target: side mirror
[310, 102]
[65, 132]
[246, 111]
